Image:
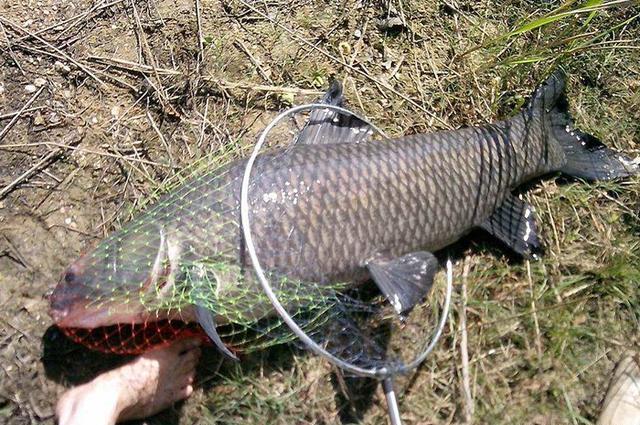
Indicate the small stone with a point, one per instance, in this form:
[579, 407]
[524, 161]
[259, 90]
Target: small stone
[61, 67]
[115, 111]
[39, 82]
[68, 221]
[357, 33]
[38, 119]
[391, 24]
[30, 88]
[53, 118]
[93, 120]
[67, 94]
[1, 88]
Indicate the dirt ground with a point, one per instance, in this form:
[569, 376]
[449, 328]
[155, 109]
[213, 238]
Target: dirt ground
[101, 103]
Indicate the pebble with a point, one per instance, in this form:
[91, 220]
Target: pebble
[38, 119]
[357, 33]
[30, 88]
[39, 82]
[61, 67]
[1, 88]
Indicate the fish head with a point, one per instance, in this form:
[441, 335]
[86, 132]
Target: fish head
[127, 278]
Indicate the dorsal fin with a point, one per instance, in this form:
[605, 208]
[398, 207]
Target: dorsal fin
[326, 126]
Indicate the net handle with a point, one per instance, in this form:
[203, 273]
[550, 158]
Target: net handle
[380, 372]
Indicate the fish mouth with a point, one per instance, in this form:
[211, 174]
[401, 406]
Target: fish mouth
[82, 315]
[101, 329]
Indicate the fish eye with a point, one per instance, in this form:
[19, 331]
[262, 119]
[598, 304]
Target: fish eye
[69, 276]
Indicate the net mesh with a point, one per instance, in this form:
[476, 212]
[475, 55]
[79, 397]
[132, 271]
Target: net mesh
[187, 249]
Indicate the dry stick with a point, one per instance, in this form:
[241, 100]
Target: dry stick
[86, 150]
[350, 67]
[534, 313]
[260, 87]
[16, 116]
[85, 16]
[132, 66]
[200, 37]
[77, 17]
[13, 56]
[148, 53]
[8, 188]
[464, 352]
[227, 85]
[13, 114]
[162, 139]
[55, 49]
[204, 122]
[240, 45]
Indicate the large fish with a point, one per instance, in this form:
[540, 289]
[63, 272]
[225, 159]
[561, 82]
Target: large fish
[334, 207]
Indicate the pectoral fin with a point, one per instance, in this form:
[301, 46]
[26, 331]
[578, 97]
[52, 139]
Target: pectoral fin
[406, 280]
[205, 318]
[514, 224]
[326, 126]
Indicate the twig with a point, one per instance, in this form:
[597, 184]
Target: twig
[227, 85]
[132, 66]
[464, 352]
[16, 116]
[55, 49]
[48, 157]
[260, 87]
[90, 151]
[148, 54]
[200, 37]
[78, 18]
[13, 114]
[204, 122]
[534, 313]
[240, 45]
[13, 56]
[162, 139]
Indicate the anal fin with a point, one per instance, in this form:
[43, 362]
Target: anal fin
[406, 280]
[514, 223]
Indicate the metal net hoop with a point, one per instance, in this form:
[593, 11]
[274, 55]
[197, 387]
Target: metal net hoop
[382, 372]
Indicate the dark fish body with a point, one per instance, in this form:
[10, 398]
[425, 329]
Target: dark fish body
[340, 208]
[322, 211]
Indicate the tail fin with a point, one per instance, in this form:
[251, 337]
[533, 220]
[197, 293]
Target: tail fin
[586, 156]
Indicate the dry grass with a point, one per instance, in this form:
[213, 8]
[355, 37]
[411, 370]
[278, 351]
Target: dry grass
[143, 90]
